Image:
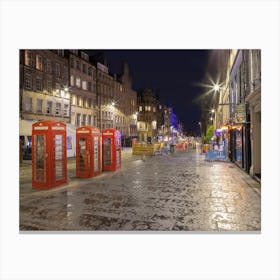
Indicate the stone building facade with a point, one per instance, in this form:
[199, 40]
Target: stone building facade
[82, 81]
[238, 109]
[43, 91]
[66, 85]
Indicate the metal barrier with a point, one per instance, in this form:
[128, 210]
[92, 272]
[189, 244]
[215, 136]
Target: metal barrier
[216, 155]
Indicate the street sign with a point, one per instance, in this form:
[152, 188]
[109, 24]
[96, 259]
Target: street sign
[240, 113]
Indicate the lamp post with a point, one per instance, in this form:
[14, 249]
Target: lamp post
[112, 106]
[200, 129]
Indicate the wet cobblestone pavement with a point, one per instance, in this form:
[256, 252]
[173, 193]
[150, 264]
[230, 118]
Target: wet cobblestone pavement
[175, 192]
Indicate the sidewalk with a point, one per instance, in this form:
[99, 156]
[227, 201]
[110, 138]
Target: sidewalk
[25, 174]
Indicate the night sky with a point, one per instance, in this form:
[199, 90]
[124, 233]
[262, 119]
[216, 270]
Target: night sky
[175, 74]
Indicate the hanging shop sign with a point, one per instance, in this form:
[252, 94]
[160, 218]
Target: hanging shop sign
[240, 113]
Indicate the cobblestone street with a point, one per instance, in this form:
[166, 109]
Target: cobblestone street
[174, 192]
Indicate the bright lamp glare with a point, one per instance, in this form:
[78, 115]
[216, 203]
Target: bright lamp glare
[216, 87]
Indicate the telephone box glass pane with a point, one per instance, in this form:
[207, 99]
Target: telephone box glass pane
[118, 151]
[40, 158]
[82, 154]
[107, 152]
[59, 174]
[95, 154]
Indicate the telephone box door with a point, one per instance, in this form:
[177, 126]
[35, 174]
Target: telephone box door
[83, 156]
[59, 158]
[107, 153]
[39, 157]
[96, 154]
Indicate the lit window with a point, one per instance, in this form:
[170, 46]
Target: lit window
[84, 85]
[78, 82]
[57, 91]
[72, 80]
[39, 62]
[154, 109]
[39, 105]
[140, 108]
[74, 100]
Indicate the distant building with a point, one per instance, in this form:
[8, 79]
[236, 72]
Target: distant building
[147, 117]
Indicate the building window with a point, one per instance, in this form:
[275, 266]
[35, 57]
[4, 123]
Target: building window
[57, 89]
[28, 104]
[49, 86]
[154, 109]
[90, 103]
[57, 70]
[60, 52]
[74, 100]
[72, 80]
[49, 107]
[48, 67]
[28, 58]
[78, 67]
[66, 110]
[84, 55]
[84, 85]
[89, 86]
[39, 105]
[72, 62]
[58, 108]
[89, 120]
[78, 119]
[90, 71]
[84, 68]
[39, 63]
[78, 82]
[140, 108]
[84, 120]
[39, 84]
[28, 81]
[80, 102]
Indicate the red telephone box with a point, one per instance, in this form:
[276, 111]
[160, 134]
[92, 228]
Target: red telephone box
[87, 151]
[48, 154]
[111, 149]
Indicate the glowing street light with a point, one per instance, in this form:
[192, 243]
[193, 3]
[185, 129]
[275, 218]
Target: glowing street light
[216, 87]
